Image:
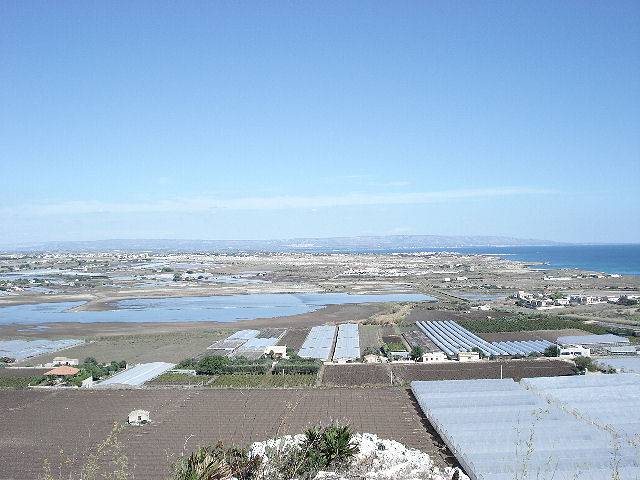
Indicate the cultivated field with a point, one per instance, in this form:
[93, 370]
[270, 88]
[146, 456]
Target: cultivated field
[549, 335]
[403, 374]
[294, 338]
[167, 347]
[36, 424]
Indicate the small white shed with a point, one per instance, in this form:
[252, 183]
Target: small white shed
[138, 417]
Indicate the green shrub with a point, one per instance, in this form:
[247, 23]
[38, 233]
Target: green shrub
[202, 465]
[322, 449]
[417, 352]
[263, 381]
[18, 383]
[217, 365]
[552, 351]
[297, 365]
[526, 322]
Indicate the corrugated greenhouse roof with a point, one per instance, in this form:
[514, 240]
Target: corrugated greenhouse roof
[591, 339]
[318, 342]
[487, 424]
[139, 374]
[348, 342]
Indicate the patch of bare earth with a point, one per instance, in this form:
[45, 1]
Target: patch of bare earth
[38, 424]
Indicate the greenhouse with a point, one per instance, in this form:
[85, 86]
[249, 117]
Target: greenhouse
[500, 430]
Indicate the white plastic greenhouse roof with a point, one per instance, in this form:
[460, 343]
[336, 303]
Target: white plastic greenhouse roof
[348, 342]
[629, 365]
[139, 374]
[611, 402]
[490, 424]
[21, 349]
[591, 339]
[244, 335]
[523, 347]
[254, 347]
[318, 343]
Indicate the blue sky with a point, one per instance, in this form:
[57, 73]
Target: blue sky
[258, 120]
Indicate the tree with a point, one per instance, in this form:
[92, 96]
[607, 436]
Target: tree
[552, 351]
[556, 295]
[417, 352]
[480, 352]
[584, 363]
[211, 365]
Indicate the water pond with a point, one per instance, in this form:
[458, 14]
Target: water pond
[229, 308]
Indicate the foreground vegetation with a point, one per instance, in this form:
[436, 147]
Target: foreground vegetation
[321, 449]
[18, 383]
[264, 381]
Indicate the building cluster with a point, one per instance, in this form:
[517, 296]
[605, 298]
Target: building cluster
[547, 300]
[586, 345]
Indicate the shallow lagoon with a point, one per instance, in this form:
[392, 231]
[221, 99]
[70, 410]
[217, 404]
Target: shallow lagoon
[229, 308]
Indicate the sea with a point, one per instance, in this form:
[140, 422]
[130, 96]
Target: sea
[623, 259]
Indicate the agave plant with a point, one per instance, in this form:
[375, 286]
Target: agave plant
[338, 446]
[202, 465]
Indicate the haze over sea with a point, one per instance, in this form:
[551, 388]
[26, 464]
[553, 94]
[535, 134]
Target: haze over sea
[621, 259]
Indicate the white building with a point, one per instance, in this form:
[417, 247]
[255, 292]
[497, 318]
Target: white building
[434, 357]
[57, 361]
[572, 351]
[468, 356]
[277, 350]
[138, 417]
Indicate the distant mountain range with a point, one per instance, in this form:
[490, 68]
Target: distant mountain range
[310, 245]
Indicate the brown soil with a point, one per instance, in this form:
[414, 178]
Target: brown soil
[549, 335]
[423, 313]
[22, 372]
[294, 338]
[379, 374]
[37, 424]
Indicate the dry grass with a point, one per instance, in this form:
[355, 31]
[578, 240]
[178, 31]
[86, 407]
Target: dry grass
[393, 314]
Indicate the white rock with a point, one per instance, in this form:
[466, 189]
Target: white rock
[378, 459]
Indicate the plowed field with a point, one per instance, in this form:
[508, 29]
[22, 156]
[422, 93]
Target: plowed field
[379, 374]
[35, 425]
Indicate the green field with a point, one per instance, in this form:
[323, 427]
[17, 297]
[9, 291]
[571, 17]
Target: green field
[17, 382]
[263, 381]
[522, 322]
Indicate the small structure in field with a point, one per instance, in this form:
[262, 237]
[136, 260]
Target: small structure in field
[57, 361]
[278, 351]
[138, 417]
[433, 357]
[72, 362]
[572, 351]
[87, 383]
[372, 358]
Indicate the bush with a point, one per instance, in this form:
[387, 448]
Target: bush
[387, 348]
[211, 365]
[527, 322]
[417, 352]
[297, 365]
[263, 381]
[552, 351]
[584, 363]
[188, 363]
[478, 351]
[217, 365]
